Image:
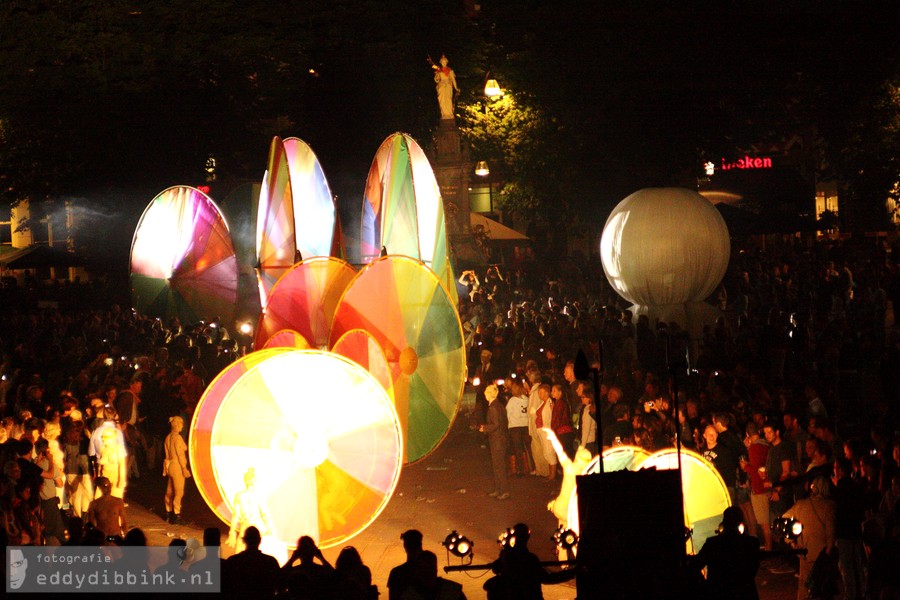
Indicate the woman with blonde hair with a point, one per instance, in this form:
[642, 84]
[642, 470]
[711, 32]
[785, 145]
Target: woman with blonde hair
[175, 467]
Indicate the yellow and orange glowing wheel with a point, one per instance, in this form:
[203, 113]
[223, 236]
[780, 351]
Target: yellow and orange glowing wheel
[199, 446]
[404, 306]
[362, 348]
[304, 299]
[322, 437]
[287, 338]
[705, 494]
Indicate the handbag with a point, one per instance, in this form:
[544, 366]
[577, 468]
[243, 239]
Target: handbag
[824, 577]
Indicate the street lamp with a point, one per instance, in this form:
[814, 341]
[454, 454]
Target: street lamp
[492, 89]
[482, 170]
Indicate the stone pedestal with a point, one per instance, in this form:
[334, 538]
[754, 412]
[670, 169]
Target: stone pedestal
[452, 169]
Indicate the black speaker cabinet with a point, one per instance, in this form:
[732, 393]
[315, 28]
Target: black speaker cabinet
[632, 535]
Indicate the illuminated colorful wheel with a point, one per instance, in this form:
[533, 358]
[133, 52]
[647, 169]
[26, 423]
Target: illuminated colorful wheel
[276, 243]
[403, 209]
[304, 299]
[314, 213]
[362, 348]
[705, 494]
[287, 338]
[182, 259]
[199, 446]
[323, 438]
[617, 458]
[403, 305]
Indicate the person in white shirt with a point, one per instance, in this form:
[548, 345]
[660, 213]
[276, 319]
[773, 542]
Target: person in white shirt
[519, 440]
[588, 421]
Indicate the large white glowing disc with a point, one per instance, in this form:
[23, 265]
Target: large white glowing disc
[323, 438]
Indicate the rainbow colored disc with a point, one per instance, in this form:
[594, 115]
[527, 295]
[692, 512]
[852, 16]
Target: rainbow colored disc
[199, 446]
[323, 439]
[705, 494]
[182, 259]
[404, 306]
[361, 347]
[403, 210]
[276, 244]
[304, 300]
[287, 338]
[314, 212]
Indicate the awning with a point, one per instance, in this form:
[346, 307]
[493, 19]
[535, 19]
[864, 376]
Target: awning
[495, 231]
[38, 256]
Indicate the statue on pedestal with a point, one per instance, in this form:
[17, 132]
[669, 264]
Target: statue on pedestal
[445, 84]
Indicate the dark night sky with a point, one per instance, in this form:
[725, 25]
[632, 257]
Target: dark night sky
[110, 104]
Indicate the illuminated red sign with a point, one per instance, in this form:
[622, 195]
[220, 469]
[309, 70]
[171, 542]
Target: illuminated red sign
[203, 188]
[748, 162]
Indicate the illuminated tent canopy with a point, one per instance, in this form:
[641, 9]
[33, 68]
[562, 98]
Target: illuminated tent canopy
[403, 210]
[182, 259]
[705, 494]
[666, 250]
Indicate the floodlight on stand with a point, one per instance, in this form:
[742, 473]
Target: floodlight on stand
[787, 528]
[565, 538]
[458, 545]
[492, 89]
[482, 169]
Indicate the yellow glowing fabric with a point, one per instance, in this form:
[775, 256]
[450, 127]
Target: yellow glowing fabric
[361, 347]
[199, 446]
[304, 299]
[403, 305]
[182, 259]
[705, 494]
[403, 210]
[276, 245]
[314, 212]
[323, 438]
[286, 338]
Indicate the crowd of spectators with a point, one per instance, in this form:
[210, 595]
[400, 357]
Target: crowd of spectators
[798, 378]
[798, 373]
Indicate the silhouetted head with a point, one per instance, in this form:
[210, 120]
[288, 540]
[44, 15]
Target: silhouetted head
[252, 538]
[522, 534]
[732, 517]
[212, 536]
[412, 541]
[307, 548]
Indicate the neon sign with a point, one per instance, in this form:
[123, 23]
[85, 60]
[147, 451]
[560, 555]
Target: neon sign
[748, 163]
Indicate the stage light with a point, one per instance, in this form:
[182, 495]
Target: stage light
[458, 545]
[565, 538]
[246, 328]
[789, 529]
[476, 381]
[507, 538]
